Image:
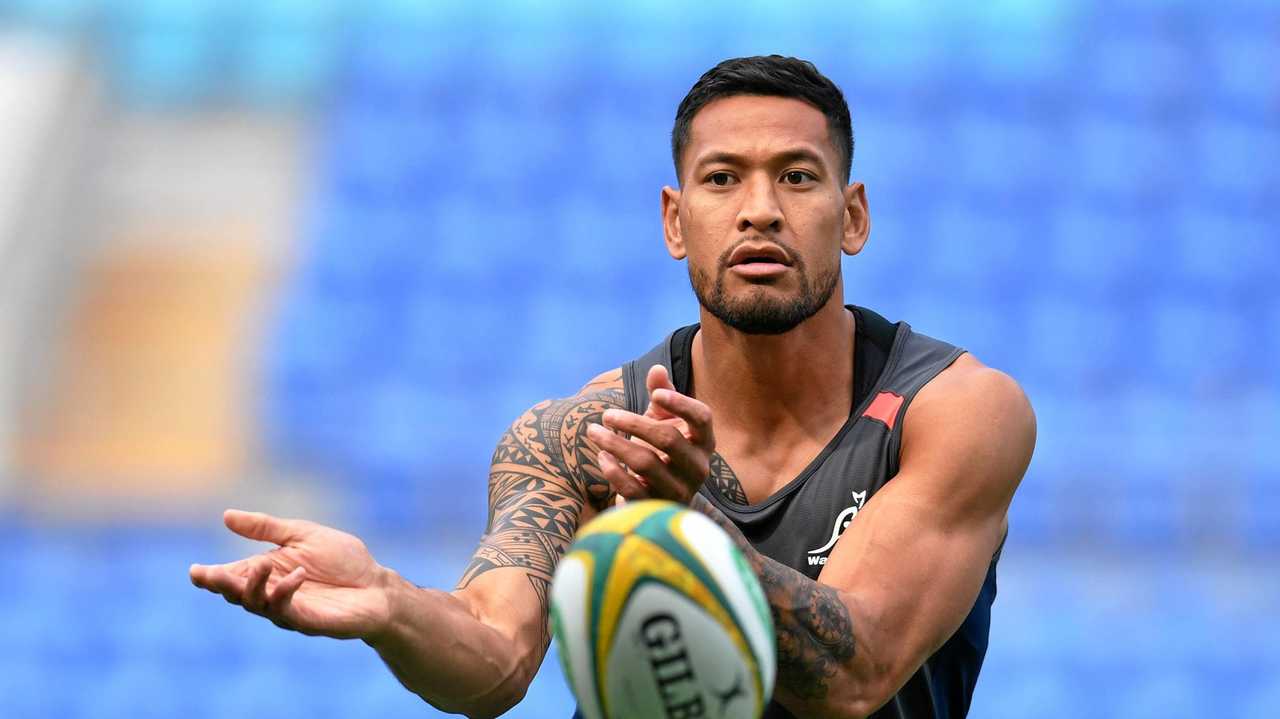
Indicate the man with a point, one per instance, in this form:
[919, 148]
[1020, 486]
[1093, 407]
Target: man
[866, 471]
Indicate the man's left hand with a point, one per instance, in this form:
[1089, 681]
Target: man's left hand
[664, 453]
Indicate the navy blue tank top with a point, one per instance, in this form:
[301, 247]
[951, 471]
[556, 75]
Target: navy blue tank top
[799, 524]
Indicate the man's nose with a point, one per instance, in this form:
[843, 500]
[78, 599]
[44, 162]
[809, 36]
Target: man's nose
[760, 210]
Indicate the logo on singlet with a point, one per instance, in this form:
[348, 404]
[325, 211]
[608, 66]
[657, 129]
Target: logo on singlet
[842, 523]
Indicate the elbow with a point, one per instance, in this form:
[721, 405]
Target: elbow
[862, 703]
[512, 682]
[872, 684]
[499, 700]
[880, 667]
[868, 701]
[510, 693]
[863, 689]
[494, 705]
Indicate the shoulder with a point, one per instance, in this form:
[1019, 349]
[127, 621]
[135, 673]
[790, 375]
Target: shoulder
[603, 391]
[605, 381]
[551, 436]
[972, 424]
[972, 390]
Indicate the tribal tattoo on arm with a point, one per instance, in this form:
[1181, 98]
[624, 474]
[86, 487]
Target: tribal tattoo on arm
[542, 478]
[813, 628]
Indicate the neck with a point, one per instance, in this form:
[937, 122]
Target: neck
[775, 384]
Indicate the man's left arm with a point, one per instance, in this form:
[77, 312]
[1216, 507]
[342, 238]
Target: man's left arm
[902, 578]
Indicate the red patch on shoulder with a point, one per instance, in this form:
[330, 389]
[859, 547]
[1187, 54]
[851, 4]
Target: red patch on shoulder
[885, 408]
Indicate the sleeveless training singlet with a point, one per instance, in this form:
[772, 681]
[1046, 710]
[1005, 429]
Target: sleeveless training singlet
[799, 524]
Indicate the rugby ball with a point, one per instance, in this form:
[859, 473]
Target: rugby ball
[656, 613]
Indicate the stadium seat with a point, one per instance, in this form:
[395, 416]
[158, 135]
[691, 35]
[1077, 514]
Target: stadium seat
[1231, 154]
[1236, 62]
[285, 50]
[1154, 69]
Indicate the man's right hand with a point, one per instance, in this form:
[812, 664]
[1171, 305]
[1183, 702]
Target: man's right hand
[471, 651]
[318, 581]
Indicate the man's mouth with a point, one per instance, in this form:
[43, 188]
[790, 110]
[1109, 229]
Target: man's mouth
[750, 253]
[759, 270]
[759, 264]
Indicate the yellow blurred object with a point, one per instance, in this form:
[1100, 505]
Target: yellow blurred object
[150, 394]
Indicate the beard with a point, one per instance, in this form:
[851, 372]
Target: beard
[758, 311]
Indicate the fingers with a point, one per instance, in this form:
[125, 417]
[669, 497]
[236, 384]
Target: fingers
[666, 402]
[280, 598]
[219, 580]
[687, 459]
[283, 592]
[263, 527]
[253, 589]
[623, 481]
[641, 460]
[255, 593]
[697, 415]
[658, 378]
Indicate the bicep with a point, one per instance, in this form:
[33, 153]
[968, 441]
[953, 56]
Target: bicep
[913, 562]
[543, 484]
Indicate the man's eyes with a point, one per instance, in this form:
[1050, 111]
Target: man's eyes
[790, 177]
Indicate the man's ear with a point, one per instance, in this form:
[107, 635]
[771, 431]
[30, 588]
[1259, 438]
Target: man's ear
[857, 219]
[671, 223]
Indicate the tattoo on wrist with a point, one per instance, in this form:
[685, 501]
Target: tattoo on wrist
[813, 628]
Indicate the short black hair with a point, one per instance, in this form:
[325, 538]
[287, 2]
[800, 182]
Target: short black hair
[770, 75]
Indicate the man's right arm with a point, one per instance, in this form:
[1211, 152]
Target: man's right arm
[474, 650]
[471, 651]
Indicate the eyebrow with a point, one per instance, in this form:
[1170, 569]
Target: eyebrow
[783, 158]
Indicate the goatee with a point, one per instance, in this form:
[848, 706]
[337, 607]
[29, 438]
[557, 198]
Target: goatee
[760, 312]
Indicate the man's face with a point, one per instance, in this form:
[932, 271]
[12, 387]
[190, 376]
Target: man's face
[761, 212]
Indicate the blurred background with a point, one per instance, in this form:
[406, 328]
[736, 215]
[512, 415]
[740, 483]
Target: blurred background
[311, 257]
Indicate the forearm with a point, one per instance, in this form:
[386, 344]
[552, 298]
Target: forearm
[439, 650]
[474, 651]
[815, 635]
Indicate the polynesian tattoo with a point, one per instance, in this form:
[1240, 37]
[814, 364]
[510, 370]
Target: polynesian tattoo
[726, 481]
[542, 476]
[813, 628]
